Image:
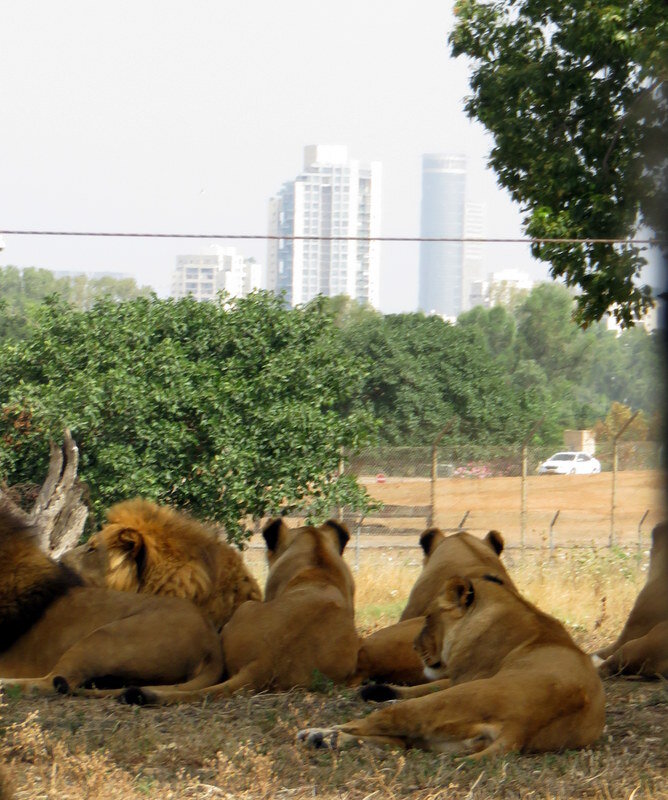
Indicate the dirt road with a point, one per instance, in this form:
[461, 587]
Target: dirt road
[583, 503]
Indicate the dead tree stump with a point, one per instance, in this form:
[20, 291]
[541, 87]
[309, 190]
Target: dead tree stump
[59, 511]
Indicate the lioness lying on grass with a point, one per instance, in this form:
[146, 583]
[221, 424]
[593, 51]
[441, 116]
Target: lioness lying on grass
[304, 628]
[511, 679]
[642, 646]
[388, 654]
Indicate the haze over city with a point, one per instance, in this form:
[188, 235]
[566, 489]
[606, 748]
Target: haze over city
[188, 117]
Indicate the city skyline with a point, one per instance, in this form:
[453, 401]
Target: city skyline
[188, 121]
[118, 119]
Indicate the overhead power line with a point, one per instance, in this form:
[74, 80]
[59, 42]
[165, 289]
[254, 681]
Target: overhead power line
[316, 238]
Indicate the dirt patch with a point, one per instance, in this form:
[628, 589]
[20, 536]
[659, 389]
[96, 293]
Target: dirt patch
[583, 503]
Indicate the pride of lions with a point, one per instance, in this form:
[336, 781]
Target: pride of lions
[156, 609]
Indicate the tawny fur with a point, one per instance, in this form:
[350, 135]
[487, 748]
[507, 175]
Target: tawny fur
[145, 547]
[388, 654]
[513, 679]
[57, 633]
[303, 631]
[642, 646]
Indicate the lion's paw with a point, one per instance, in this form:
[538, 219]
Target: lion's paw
[319, 738]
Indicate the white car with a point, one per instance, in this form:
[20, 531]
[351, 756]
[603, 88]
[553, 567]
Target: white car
[570, 463]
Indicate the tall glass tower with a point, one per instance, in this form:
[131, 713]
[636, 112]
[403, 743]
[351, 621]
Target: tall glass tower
[442, 216]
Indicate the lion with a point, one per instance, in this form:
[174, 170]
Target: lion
[512, 678]
[388, 654]
[304, 630]
[642, 646]
[153, 549]
[57, 633]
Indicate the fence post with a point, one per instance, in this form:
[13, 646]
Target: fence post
[523, 481]
[613, 498]
[523, 496]
[434, 469]
[644, 517]
[551, 540]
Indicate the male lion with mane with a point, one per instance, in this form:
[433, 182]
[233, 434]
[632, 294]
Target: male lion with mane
[513, 680]
[56, 633]
[642, 646]
[388, 654]
[304, 629]
[153, 549]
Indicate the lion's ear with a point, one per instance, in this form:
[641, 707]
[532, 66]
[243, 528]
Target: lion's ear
[341, 532]
[429, 539]
[459, 592]
[272, 533]
[132, 543]
[495, 540]
[130, 540]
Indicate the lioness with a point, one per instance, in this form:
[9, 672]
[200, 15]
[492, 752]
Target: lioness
[153, 549]
[57, 633]
[642, 646]
[517, 681]
[304, 628]
[388, 654]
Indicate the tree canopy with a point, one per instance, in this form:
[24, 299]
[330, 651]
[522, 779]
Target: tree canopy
[23, 290]
[240, 409]
[574, 94]
[230, 409]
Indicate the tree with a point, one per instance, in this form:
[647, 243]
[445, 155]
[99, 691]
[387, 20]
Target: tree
[574, 94]
[22, 290]
[617, 417]
[231, 409]
[422, 371]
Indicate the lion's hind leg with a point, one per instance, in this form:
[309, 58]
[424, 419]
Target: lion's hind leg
[647, 655]
[184, 693]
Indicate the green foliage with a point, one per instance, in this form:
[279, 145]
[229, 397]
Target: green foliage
[573, 92]
[22, 291]
[229, 408]
[422, 372]
[240, 409]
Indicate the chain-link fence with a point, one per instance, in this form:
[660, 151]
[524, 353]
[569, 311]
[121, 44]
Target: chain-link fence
[482, 488]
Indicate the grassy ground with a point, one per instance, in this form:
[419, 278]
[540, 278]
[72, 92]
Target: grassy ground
[68, 749]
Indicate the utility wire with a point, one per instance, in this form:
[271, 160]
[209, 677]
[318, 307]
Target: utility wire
[316, 238]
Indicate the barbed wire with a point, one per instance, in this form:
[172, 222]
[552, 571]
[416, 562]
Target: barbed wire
[334, 238]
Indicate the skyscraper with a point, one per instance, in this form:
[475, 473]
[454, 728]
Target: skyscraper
[333, 196]
[472, 256]
[442, 216]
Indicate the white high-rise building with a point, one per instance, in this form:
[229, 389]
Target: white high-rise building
[216, 269]
[472, 264]
[333, 197]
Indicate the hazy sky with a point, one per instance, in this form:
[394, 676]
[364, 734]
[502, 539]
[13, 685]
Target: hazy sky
[187, 115]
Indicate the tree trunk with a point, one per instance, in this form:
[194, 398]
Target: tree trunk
[59, 512]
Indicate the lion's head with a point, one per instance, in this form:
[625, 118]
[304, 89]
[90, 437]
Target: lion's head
[149, 548]
[308, 550]
[446, 556]
[475, 622]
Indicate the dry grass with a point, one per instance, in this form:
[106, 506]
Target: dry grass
[68, 749]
